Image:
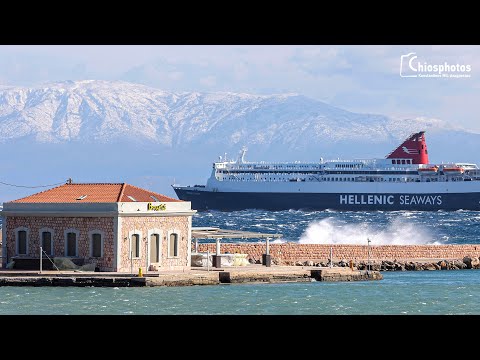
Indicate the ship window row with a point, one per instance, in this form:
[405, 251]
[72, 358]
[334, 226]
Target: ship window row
[358, 178]
[255, 167]
[369, 179]
[292, 166]
[336, 172]
[396, 172]
[340, 179]
[265, 179]
[403, 161]
[269, 172]
[354, 179]
[348, 166]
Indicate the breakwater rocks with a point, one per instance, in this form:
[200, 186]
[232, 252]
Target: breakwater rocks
[382, 257]
[293, 251]
[386, 265]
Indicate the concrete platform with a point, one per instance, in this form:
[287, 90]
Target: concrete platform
[196, 276]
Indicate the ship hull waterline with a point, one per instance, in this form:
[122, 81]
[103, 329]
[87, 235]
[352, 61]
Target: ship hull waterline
[233, 201]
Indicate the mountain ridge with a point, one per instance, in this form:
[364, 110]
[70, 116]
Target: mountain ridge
[97, 131]
[106, 111]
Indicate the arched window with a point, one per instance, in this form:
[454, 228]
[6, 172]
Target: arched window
[155, 248]
[71, 242]
[135, 246]
[173, 245]
[47, 242]
[96, 243]
[21, 240]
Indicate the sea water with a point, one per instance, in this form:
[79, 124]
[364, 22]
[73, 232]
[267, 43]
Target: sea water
[352, 227]
[415, 292]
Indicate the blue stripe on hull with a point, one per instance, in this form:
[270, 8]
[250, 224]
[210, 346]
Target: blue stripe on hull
[229, 201]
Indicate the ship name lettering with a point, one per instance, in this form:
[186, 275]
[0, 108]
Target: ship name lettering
[420, 199]
[366, 199]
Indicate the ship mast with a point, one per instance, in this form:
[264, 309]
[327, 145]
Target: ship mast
[241, 155]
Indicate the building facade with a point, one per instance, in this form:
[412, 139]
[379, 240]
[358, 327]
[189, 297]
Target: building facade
[117, 227]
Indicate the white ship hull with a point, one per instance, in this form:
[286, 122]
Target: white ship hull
[404, 180]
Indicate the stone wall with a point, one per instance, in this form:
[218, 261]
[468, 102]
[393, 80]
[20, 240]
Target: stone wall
[161, 225]
[292, 252]
[59, 225]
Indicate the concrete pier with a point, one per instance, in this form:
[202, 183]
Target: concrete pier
[246, 274]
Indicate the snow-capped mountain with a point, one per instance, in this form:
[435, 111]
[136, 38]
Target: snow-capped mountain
[101, 111]
[118, 131]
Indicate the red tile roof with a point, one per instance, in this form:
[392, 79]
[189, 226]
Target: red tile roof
[141, 195]
[95, 193]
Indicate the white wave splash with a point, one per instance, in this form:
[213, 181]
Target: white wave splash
[397, 232]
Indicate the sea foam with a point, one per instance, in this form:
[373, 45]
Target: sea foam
[397, 232]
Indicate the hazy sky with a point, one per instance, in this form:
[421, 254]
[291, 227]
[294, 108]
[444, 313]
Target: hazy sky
[358, 78]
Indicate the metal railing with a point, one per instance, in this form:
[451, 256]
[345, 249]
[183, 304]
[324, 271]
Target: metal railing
[48, 257]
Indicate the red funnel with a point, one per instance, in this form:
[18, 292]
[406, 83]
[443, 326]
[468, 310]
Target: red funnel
[415, 148]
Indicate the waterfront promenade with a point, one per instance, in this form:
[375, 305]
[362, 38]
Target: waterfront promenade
[196, 276]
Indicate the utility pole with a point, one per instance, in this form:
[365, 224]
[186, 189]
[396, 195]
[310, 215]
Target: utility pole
[368, 254]
[331, 256]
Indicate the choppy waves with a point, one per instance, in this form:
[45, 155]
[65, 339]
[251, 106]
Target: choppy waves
[395, 227]
[397, 232]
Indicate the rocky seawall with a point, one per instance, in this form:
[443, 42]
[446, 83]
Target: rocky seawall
[380, 257]
[386, 265]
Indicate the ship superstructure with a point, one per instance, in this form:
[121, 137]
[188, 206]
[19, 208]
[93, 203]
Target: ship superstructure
[403, 180]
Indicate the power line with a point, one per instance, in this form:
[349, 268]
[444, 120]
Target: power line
[32, 187]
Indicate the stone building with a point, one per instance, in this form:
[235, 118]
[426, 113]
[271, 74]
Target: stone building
[118, 227]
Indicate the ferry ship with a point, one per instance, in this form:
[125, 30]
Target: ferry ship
[403, 180]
